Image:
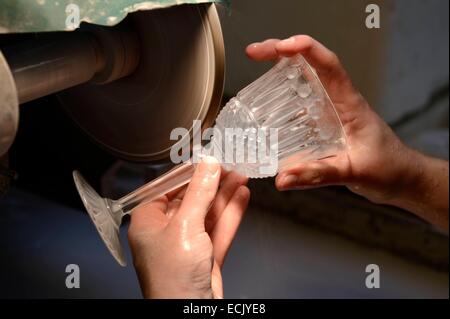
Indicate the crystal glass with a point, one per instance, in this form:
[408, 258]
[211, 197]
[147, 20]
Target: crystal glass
[288, 103]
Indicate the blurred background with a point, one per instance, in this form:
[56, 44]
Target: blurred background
[310, 244]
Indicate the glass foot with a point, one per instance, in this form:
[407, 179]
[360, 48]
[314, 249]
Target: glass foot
[105, 219]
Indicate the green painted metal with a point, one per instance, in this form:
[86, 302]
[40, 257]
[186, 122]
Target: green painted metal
[52, 15]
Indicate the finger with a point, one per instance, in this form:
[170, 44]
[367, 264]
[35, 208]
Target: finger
[226, 227]
[180, 192]
[228, 187]
[176, 197]
[223, 175]
[263, 51]
[177, 193]
[326, 172]
[318, 56]
[173, 207]
[159, 205]
[216, 281]
[328, 68]
[201, 191]
[149, 216]
[326, 63]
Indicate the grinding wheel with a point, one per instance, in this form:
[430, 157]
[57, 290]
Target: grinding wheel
[9, 107]
[179, 79]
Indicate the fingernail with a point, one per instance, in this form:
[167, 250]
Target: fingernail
[241, 179]
[288, 41]
[289, 181]
[254, 45]
[242, 192]
[210, 166]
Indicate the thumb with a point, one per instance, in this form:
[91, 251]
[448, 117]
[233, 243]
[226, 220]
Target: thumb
[201, 191]
[310, 175]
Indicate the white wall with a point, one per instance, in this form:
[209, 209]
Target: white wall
[397, 67]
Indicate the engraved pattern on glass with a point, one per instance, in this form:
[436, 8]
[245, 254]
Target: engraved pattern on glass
[289, 98]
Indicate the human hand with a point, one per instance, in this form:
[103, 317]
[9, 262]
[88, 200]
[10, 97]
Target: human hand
[376, 165]
[376, 160]
[179, 242]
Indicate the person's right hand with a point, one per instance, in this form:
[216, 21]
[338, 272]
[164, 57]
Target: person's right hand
[179, 242]
[377, 164]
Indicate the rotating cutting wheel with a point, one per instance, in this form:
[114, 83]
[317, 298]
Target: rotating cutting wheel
[9, 107]
[179, 79]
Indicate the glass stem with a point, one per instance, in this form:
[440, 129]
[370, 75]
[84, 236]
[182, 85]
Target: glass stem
[179, 176]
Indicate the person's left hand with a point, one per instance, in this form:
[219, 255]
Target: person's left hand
[180, 241]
